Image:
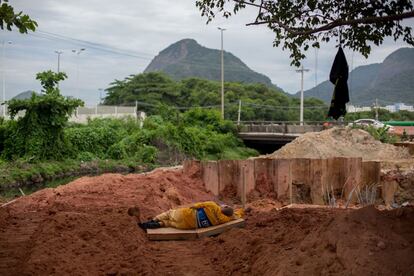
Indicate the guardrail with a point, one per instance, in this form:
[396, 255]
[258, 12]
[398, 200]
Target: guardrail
[291, 123]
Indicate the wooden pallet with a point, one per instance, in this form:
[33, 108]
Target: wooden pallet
[167, 233]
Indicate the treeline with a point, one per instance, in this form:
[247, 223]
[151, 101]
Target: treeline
[258, 102]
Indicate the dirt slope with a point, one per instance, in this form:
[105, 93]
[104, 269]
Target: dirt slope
[82, 229]
[340, 142]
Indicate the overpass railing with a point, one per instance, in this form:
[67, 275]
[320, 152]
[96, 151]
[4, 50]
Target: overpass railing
[289, 123]
[284, 127]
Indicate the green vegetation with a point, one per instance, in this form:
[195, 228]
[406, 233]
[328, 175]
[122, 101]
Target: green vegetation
[31, 176]
[42, 146]
[9, 19]
[381, 134]
[259, 102]
[120, 145]
[39, 133]
[299, 25]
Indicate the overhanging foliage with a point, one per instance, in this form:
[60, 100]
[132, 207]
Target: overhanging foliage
[300, 24]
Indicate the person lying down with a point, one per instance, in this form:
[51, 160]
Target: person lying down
[197, 215]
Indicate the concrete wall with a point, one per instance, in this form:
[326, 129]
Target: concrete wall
[287, 179]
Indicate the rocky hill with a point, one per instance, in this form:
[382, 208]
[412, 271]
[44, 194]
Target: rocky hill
[186, 58]
[24, 95]
[391, 81]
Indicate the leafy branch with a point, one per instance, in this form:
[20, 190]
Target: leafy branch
[8, 19]
[300, 24]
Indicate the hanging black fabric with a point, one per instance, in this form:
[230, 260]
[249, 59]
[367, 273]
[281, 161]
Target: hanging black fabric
[339, 78]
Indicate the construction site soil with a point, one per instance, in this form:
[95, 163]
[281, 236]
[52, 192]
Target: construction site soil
[82, 228]
[340, 142]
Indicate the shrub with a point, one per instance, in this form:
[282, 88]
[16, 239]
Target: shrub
[39, 134]
[146, 154]
[382, 134]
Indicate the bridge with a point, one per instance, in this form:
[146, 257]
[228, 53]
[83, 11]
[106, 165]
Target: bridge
[268, 136]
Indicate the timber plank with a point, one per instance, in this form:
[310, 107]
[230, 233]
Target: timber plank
[218, 229]
[168, 233]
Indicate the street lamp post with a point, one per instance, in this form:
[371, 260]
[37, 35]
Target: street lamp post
[100, 95]
[301, 70]
[222, 73]
[3, 58]
[77, 52]
[58, 54]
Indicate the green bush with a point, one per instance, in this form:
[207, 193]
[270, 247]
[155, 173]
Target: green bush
[86, 156]
[94, 139]
[146, 154]
[39, 134]
[382, 134]
[117, 151]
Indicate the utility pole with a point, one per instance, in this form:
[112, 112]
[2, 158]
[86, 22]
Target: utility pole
[58, 54]
[100, 95]
[222, 73]
[238, 116]
[77, 52]
[301, 70]
[376, 109]
[3, 59]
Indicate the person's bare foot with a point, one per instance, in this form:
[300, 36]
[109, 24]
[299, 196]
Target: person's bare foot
[135, 212]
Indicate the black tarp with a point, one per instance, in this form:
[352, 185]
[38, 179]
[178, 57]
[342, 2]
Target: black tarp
[339, 78]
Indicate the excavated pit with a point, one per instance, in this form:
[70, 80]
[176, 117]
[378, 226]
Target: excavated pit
[82, 228]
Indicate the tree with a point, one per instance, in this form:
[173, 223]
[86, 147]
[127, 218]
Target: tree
[39, 134]
[300, 24]
[8, 19]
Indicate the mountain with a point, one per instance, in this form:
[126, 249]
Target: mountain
[390, 82]
[24, 95]
[186, 58]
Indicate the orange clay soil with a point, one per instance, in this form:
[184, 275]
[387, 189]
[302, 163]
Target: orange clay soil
[83, 228]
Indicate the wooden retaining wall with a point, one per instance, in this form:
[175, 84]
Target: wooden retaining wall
[288, 180]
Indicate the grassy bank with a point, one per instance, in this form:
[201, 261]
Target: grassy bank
[33, 176]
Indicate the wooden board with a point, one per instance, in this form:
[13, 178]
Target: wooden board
[167, 233]
[218, 229]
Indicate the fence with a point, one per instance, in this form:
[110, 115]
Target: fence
[82, 114]
[105, 111]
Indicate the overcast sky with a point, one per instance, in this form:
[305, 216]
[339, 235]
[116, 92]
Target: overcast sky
[121, 37]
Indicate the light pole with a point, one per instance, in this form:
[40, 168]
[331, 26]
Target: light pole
[100, 95]
[77, 52]
[222, 73]
[301, 70]
[58, 54]
[3, 58]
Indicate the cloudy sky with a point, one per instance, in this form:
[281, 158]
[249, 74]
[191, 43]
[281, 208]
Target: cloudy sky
[121, 37]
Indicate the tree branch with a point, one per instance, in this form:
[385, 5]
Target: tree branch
[336, 23]
[261, 6]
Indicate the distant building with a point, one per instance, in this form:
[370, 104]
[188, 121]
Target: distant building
[352, 108]
[391, 108]
[398, 107]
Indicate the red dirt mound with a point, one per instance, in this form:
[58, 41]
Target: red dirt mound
[319, 242]
[83, 228]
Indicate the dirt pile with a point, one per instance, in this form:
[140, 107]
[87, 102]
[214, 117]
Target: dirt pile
[339, 142]
[319, 242]
[82, 229]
